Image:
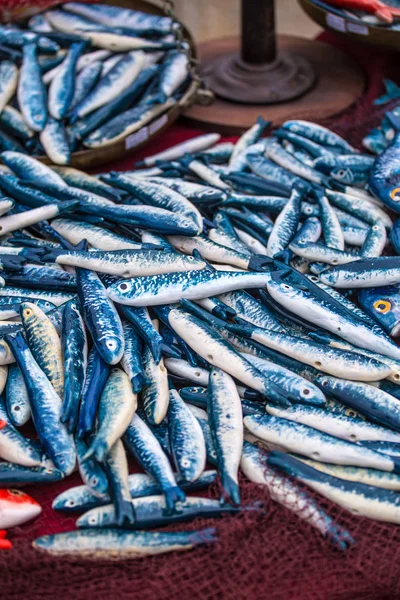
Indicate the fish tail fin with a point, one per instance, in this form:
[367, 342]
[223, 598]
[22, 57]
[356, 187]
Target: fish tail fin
[16, 341]
[263, 123]
[384, 13]
[172, 496]
[396, 462]
[98, 450]
[204, 536]
[394, 120]
[230, 489]
[124, 511]
[137, 383]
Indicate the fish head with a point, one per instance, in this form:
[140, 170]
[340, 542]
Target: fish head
[343, 174]
[383, 305]
[66, 461]
[29, 313]
[16, 508]
[120, 290]
[92, 518]
[191, 263]
[113, 349]
[387, 189]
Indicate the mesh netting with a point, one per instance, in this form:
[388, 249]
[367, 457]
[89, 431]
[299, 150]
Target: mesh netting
[259, 555]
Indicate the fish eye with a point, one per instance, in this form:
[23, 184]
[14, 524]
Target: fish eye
[27, 312]
[382, 306]
[93, 520]
[341, 172]
[395, 194]
[190, 257]
[123, 286]
[111, 344]
[94, 481]
[15, 493]
[70, 503]
[185, 463]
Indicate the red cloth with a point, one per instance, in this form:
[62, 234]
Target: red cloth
[258, 556]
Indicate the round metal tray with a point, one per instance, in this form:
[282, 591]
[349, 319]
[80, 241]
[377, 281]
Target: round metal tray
[84, 159]
[351, 28]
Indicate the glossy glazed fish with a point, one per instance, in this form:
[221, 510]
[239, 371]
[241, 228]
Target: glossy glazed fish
[16, 508]
[290, 495]
[80, 498]
[142, 443]
[360, 499]
[46, 408]
[115, 543]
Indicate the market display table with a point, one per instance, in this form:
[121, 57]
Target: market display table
[259, 555]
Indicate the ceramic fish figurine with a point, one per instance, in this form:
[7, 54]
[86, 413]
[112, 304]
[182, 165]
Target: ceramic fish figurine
[17, 508]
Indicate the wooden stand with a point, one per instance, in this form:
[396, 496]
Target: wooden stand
[279, 78]
[340, 81]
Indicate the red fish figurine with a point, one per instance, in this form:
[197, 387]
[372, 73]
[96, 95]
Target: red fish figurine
[16, 508]
[375, 7]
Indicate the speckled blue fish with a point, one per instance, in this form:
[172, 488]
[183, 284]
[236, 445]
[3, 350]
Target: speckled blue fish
[100, 316]
[44, 343]
[225, 419]
[114, 544]
[377, 405]
[155, 394]
[366, 273]
[159, 195]
[126, 123]
[116, 408]
[383, 305]
[91, 472]
[290, 495]
[55, 141]
[142, 443]
[103, 114]
[80, 498]
[211, 346]
[299, 389]
[17, 399]
[115, 82]
[131, 360]
[326, 315]
[168, 288]
[384, 180]
[46, 407]
[96, 376]
[80, 179]
[85, 81]
[318, 134]
[301, 439]
[285, 225]
[186, 438]
[32, 95]
[358, 498]
[14, 447]
[116, 467]
[18, 476]
[380, 479]
[62, 86]
[352, 429]
[74, 352]
[150, 512]
[8, 82]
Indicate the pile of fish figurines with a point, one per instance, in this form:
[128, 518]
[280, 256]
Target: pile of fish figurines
[85, 76]
[220, 305]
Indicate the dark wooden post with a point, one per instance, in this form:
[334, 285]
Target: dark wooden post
[258, 31]
[260, 74]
